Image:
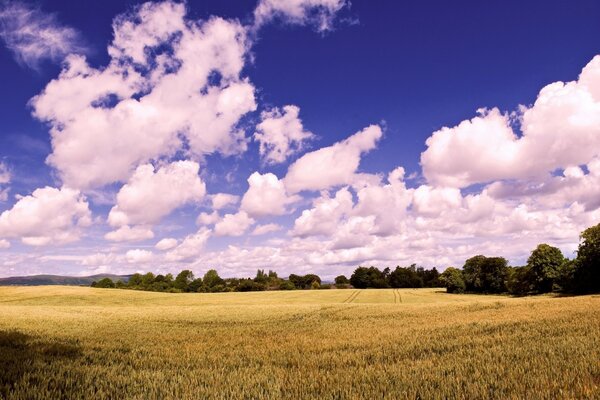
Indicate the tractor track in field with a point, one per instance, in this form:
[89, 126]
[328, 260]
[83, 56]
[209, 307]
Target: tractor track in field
[397, 296]
[352, 297]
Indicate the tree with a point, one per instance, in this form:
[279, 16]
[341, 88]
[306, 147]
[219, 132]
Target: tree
[212, 279]
[183, 280]
[485, 274]
[405, 277]
[341, 280]
[261, 277]
[363, 277]
[304, 281]
[544, 264]
[195, 285]
[147, 280]
[105, 283]
[587, 273]
[134, 280]
[360, 278]
[519, 281]
[453, 281]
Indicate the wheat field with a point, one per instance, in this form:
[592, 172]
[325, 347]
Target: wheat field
[75, 342]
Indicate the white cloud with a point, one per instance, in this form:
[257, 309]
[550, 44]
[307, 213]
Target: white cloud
[191, 247]
[321, 13]
[233, 224]
[99, 259]
[331, 166]
[222, 200]
[34, 36]
[281, 134]
[324, 217]
[47, 216]
[127, 233]
[139, 256]
[266, 195]
[266, 228]
[5, 178]
[4, 244]
[561, 129]
[166, 244]
[106, 121]
[208, 219]
[151, 195]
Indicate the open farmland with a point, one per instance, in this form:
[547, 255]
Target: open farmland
[74, 342]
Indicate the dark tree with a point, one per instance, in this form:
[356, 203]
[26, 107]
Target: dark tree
[183, 280]
[341, 280]
[519, 281]
[453, 281]
[105, 283]
[212, 279]
[486, 274]
[544, 267]
[587, 274]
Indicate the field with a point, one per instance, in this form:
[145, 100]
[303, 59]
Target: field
[75, 342]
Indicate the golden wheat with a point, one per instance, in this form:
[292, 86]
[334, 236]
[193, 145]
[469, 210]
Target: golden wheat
[70, 342]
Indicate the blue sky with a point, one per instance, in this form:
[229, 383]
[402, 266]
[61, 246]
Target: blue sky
[519, 172]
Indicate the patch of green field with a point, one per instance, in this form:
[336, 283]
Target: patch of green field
[72, 342]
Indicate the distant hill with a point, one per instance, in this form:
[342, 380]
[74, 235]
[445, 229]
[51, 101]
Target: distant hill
[37, 280]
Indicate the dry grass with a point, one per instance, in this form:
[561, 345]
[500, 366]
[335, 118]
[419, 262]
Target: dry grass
[69, 342]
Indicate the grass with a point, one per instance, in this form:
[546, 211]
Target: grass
[71, 342]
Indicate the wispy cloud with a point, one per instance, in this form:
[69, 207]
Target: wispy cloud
[34, 36]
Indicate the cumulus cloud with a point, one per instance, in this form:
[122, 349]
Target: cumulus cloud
[99, 259]
[47, 216]
[266, 228]
[166, 244]
[281, 134]
[334, 165]
[324, 217]
[34, 36]
[139, 256]
[234, 224]
[208, 219]
[153, 194]
[223, 200]
[127, 233]
[106, 121]
[320, 13]
[4, 244]
[560, 130]
[266, 195]
[191, 246]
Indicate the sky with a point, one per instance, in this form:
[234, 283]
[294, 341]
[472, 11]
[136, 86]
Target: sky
[294, 135]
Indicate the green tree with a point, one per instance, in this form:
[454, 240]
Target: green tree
[147, 280]
[105, 283]
[183, 280]
[544, 267]
[486, 274]
[195, 285]
[134, 280]
[519, 281]
[453, 281]
[587, 274]
[341, 281]
[212, 279]
[261, 276]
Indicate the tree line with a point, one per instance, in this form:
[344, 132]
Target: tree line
[547, 270]
[211, 282]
